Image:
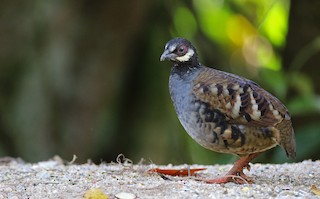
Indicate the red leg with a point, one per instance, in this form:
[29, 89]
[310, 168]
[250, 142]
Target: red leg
[236, 174]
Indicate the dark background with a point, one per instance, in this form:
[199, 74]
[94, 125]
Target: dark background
[83, 77]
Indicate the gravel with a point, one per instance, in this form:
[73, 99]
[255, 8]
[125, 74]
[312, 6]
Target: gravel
[56, 179]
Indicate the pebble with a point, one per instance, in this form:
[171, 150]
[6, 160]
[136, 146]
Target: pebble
[125, 195]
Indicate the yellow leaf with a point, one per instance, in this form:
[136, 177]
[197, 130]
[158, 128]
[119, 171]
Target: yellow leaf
[315, 190]
[95, 194]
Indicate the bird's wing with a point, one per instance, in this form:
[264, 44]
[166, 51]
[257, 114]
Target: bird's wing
[241, 100]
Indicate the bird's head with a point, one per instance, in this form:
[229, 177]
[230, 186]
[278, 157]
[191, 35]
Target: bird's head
[179, 50]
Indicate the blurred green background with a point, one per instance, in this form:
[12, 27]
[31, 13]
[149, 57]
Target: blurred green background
[83, 77]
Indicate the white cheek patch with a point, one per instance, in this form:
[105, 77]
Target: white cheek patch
[187, 56]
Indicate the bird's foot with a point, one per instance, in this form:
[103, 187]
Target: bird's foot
[238, 178]
[236, 174]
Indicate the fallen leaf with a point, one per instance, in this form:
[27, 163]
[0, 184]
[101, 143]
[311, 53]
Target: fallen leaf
[176, 172]
[315, 190]
[95, 194]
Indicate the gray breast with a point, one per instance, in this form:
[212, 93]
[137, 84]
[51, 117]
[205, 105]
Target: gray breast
[180, 86]
[187, 107]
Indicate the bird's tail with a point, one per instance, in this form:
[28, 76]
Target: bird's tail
[288, 141]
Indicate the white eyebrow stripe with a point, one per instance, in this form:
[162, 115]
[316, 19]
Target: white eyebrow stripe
[172, 48]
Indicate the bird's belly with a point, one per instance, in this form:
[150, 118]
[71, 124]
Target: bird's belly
[200, 132]
[190, 118]
[206, 128]
[251, 140]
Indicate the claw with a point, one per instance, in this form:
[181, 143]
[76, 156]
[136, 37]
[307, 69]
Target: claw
[239, 178]
[236, 174]
[248, 167]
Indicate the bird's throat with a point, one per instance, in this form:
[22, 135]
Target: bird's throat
[185, 68]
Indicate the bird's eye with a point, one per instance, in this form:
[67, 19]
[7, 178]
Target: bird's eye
[182, 50]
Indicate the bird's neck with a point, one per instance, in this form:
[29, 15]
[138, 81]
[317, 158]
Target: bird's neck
[185, 68]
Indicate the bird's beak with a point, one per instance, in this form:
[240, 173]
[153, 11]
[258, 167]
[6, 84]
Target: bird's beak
[167, 55]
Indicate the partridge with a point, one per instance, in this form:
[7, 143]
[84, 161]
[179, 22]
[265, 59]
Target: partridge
[224, 112]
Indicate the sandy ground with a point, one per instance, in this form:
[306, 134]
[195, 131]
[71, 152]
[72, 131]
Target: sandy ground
[56, 179]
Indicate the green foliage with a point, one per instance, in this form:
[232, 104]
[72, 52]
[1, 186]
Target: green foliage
[275, 23]
[212, 19]
[184, 22]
